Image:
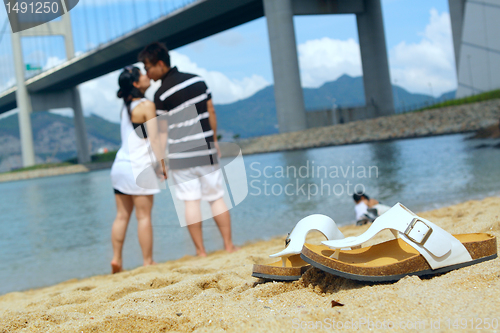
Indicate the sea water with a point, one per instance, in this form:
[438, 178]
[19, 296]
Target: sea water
[59, 228]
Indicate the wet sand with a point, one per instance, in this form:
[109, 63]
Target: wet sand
[217, 293]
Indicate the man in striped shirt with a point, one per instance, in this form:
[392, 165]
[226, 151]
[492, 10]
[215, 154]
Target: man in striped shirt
[192, 140]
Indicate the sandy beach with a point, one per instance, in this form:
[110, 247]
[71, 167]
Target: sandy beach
[217, 293]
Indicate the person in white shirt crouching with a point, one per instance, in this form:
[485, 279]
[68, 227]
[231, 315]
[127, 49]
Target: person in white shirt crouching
[366, 209]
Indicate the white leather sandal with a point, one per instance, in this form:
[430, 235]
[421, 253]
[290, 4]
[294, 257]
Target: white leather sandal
[420, 248]
[291, 266]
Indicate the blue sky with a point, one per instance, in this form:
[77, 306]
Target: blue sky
[405, 20]
[418, 36]
[237, 63]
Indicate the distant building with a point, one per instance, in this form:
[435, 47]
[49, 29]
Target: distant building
[476, 31]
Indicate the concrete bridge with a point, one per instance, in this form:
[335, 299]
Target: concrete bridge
[56, 88]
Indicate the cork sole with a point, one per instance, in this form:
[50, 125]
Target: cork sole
[293, 269]
[394, 259]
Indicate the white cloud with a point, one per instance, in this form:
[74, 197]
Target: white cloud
[224, 89]
[66, 112]
[429, 64]
[417, 67]
[99, 95]
[35, 58]
[325, 59]
[8, 84]
[7, 74]
[53, 62]
[229, 38]
[198, 46]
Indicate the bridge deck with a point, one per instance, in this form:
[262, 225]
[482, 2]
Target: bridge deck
[189, 24]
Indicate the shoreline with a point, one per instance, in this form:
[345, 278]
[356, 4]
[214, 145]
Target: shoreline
[461, 119]
[347, 225]
[53, 172]
[83, 168]
[218, 292]
[432, 122]
[371, 141]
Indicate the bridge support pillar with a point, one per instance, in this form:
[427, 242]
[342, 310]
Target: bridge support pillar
[69, 98]
[47, 100]
[457, 9]
[80, 132]
[287, 88]
[23, 104]
[376, 78]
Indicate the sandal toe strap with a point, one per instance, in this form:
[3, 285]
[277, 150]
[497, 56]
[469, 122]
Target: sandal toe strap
[297, 237]
[437, 246]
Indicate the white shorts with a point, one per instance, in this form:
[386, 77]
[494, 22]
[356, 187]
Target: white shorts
[198, 183]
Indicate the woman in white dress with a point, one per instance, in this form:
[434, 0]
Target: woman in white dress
[135, 155]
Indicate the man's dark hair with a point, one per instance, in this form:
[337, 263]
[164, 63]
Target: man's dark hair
[155, 52]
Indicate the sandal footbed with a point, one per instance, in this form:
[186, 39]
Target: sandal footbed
[391, 258]
[295, 267]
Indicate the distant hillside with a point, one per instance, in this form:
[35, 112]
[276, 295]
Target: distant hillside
[54, 138]
[96, 126]
[346, 90]
[54, 135]
[256, 115]
[447, 96]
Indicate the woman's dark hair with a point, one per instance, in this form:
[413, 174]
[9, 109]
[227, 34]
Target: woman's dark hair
[127, 90]
[155, 52]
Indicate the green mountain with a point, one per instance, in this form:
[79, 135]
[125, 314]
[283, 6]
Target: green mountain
[54, 135]
[256, 115]
[346, 90]
[54, 138]
[253, 116]
[96, 126]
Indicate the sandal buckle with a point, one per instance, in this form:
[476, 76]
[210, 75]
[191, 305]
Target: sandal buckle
[423, 238]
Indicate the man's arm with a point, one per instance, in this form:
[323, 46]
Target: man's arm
[163, 132]
[154, 129]
[212, 119]
[162, 124]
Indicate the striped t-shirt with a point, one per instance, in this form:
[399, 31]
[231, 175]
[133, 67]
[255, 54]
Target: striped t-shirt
[182, 98]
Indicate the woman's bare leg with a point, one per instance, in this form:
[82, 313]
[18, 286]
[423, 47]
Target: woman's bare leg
[143, 205]
[124, 207]
[193, 221]
[223, 219]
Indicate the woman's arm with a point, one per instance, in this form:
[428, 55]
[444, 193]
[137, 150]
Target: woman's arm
[146, 111]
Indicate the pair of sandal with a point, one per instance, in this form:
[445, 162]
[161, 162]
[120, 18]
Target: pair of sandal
[421, 248]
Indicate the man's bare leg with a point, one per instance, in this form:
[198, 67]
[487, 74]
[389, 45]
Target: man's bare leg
[223, 219]
[193, 221]
[124, 207]
[143, 205]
